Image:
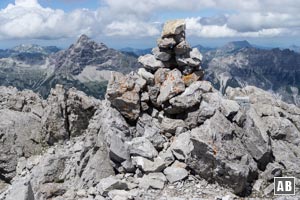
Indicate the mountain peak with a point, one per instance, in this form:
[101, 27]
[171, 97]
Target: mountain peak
[239, 44]
[235, 45]
[34, 48]
[83, 38]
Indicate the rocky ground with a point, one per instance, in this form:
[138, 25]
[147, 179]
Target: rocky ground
[161, 133]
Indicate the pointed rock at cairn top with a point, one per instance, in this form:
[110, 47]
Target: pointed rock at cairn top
[173, 27]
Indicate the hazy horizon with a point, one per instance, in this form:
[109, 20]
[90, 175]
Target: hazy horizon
[111, 45]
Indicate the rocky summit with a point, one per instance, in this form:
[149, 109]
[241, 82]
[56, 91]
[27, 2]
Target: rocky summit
[161, 133]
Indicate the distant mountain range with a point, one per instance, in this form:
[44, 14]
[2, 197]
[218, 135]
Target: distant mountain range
[295, 48]
[85, 65]
[28, 49]
[239, 64]
[136, 52]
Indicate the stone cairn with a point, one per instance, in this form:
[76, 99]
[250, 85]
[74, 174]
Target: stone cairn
[166, 108]
[162, 83]
[154, 101]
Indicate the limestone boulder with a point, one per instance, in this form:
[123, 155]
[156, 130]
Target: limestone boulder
[220, 156]
[124, 94]
[173, 27]
[150, 62]
[161, 55]
[173, 85]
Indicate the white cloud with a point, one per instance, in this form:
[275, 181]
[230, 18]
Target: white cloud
[27, 3]
[27, 19]
[132, 28]
[135, 18]
[194, 27]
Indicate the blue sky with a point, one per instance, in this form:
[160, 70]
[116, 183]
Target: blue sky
[67, 5]
[137, 23]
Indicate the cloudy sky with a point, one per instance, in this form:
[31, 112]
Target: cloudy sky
[137, 23]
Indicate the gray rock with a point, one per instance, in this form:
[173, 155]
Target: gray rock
[290, 161]
[179, 37]
[21, 190]
[172, 86]
[182, 48]
[153, 180]
[152, 133]
[20, 136]
[189, 98]
[22, 101]
[269, 190]
[195, 54]
[197, 117]
[219, 155]
[182, 146]
[183, 61]
[119, 195]
[170, 125]
[146, 75]
[54, 121]
[255, 143]
[239, 118]
[149, 128]
[229, 108]
[123, 93]
[282, 128]
[179, 164]
[157, 165]
[205, 112]
[258, 185]
[272, 170]
[98, 197]
[153, 92]
[144, 106]
[173, 27]
[205, 86]
[118, 85]
[160, 76]
[160, 55]
[109, 184]
[143, 121]
[149, 62]
[144, 101]
[180, 130]
[166, 43]
[118, 149]
[145, 97]
[81, 193]
[128, 166]
[141, 146]
[110, 123]
[80, 109]
[167, 156]
[174, 174]
[68, 167]
[187, 70]
[94, 165]
[191, 76]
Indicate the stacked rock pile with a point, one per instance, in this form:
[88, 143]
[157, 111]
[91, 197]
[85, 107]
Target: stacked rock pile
[162, 103]
[173, 51]
[172, 68]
